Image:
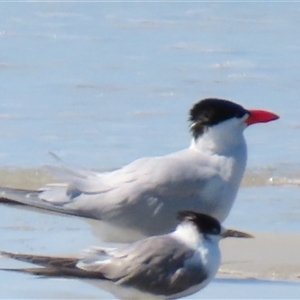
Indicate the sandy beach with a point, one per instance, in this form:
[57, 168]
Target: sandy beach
[269, 256]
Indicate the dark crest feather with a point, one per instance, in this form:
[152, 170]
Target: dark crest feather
[205, 224]
[211, 111]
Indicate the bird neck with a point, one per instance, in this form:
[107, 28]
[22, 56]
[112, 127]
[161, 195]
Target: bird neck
[188, 233]
[223, 139]
[210, 254]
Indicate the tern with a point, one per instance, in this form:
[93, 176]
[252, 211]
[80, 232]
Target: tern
[161, 267]
[142, 198]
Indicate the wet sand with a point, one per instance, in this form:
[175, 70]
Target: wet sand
[269, 256]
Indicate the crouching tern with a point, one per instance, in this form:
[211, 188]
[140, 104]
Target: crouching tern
[143, 198]
[162, 267]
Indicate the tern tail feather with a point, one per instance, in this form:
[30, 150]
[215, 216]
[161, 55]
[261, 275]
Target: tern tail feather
[51, 266]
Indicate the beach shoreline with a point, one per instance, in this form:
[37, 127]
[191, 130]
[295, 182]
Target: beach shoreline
[268, 256]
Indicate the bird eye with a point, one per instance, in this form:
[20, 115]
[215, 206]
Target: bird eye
[215, 231]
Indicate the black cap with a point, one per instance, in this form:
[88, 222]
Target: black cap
[205, 224]
[211, 111]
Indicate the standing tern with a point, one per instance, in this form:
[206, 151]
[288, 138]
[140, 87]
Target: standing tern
[162, 267]
[143, 198]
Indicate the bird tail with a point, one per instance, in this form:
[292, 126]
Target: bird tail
[42, 271]
[51, 266]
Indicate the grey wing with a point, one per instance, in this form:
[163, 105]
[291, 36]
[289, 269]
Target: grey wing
[41, 260]
[162, 187]
[49, 266]
[157, 265]
[141, 195]
[53, 266]
[78, 194]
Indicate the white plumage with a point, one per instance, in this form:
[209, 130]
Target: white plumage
[143, 198]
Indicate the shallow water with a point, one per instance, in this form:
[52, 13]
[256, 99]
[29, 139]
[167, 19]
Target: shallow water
[250, 289]
[38, 288]
[101, 84]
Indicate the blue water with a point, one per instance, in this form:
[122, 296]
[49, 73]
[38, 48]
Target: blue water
[102, 84]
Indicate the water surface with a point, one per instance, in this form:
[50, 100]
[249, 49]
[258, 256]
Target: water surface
[102, 84]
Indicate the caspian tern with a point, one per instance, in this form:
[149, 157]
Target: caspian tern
[143, 198]
[161, 267]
